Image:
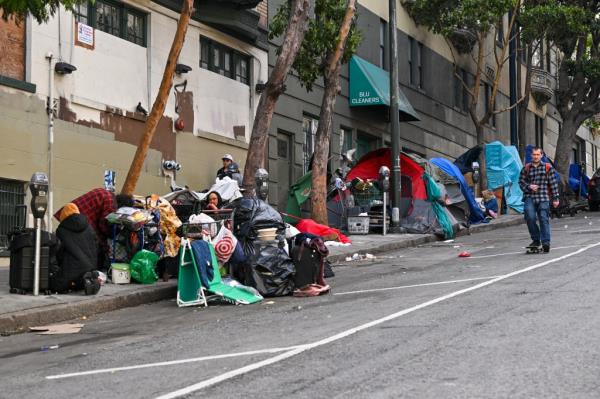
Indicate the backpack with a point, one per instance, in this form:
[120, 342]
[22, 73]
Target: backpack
[548, 169]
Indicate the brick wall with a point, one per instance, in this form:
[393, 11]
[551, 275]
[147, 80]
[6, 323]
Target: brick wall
[262, 9]
[12, 49]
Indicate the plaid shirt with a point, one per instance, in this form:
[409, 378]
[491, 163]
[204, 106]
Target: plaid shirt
[95, 205]
[545, 181]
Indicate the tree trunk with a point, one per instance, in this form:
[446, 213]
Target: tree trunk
[482, 167]
[564, 146]
[321, 155]
[323, 135]
[523, 106]
[292, 40]
[158, 108]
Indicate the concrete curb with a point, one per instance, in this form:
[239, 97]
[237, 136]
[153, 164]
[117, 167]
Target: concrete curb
[17, 322]
[392, 246]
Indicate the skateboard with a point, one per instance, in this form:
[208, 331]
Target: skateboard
[534, 249]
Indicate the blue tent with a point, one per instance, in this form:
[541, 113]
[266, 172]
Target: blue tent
[503, 169]
[476, 214]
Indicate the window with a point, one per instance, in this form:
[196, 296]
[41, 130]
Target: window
[537, 59]
[382, 35]
[415, 63]
[114, 18]
[309, 129]
[487, 97]
[461, 96]
[594, 158]
[347, 139]
[500, 33]
[539, 132]
[223, 60]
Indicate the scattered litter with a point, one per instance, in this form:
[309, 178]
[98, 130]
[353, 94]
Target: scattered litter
[54, 329]
[566, 226]
[46, 348]
[449, 241]
[83, 317]
[585, 217]
[363, 214]
[269, 302]
[590, 223]
[337, 244]
[102, 278]
[358, 256]
[464, 254]
[492, 247]
[456, 246]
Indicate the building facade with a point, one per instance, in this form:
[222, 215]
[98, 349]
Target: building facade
[119, 49]
[426, 69]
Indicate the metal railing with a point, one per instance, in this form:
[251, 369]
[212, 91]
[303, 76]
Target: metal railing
[13, 211]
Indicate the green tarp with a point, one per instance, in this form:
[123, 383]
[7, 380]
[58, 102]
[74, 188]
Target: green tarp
[370, 85]
[299, 193]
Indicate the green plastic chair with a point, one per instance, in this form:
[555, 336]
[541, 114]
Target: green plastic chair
[189, 288]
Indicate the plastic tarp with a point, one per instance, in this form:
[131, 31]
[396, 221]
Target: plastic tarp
[465, 161]
[227, 188]
[503, 169]
[476, 215]
[578, 186]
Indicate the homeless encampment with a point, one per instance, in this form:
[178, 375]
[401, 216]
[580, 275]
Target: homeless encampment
[503, 169]
[422, 203]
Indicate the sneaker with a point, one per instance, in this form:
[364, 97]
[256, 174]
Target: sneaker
[546, 247]
[535, 243]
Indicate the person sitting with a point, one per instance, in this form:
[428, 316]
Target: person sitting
[214, 201]
[95, 205]
[224, 171]
[77, 254]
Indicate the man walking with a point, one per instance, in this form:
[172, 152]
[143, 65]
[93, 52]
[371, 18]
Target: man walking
[539, 185]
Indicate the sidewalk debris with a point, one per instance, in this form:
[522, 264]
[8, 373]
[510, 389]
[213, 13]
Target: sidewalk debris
[55, 329]
[46, 348]
[464, 254]
[358, 256]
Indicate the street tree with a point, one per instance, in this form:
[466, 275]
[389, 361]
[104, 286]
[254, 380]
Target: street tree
[468, 27]
[331, 40]
[573, 27]
[160, 102]
[294, 24]
[40, 10]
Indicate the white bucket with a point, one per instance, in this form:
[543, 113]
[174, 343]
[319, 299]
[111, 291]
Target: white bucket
[120, 273]
[267, 234]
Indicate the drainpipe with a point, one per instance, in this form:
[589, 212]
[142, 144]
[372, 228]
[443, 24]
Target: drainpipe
[50, 111]
[394, 119]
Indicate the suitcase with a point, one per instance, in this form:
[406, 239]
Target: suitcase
[22, 261]
[307, 262]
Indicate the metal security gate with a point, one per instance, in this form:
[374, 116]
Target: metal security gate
[13, 210]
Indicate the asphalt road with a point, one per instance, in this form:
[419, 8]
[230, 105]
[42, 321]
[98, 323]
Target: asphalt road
[417, 323]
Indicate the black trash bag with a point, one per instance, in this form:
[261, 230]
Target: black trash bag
[271, 271]
[253, 214]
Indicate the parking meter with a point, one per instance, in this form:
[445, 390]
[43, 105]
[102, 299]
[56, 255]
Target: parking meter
[476, 172]
[38, 185]
[39, 203]
[384, 183]
[261, 178]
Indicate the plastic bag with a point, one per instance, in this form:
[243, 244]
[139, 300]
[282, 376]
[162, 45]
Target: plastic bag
[225, 243]
[142, 267]
[271, 271]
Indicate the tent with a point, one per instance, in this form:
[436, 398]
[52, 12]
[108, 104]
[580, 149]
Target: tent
[422, 199]
[475, 213]
[465, 161]
[504, 166]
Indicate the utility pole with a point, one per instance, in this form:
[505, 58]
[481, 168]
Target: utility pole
[394, 118]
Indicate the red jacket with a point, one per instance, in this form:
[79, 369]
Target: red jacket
[95, 206]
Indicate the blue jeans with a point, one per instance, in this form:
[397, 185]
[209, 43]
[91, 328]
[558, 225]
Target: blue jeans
[533, 212]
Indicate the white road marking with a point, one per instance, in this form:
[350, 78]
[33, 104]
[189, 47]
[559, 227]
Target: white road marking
[170, 363]
[414, 285]
[516, 253]
[303, 348]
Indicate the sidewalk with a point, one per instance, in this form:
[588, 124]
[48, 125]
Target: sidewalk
[18, 312]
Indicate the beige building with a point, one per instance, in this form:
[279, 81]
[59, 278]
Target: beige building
[119, 49]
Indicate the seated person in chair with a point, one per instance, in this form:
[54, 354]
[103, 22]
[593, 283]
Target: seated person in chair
[214, 201]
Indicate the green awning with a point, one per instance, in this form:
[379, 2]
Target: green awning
[370, 85]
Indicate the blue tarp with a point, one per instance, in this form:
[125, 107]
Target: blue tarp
[504, 166]
[476, 214]
[574, 180]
